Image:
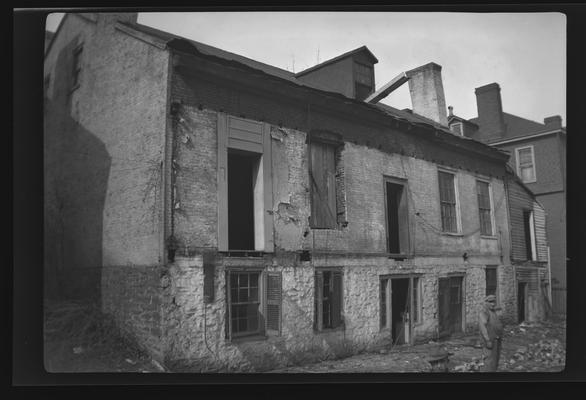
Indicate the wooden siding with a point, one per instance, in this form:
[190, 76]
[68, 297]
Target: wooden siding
[519, 201]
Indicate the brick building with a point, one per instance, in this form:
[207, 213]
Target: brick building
[235, 216]
[538, 157]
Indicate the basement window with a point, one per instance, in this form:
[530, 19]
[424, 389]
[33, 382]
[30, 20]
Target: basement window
[326, 180]
[397, 216]
[448, 202]
[328, 299]
[491, 280]
[253, 303]
[484, 207]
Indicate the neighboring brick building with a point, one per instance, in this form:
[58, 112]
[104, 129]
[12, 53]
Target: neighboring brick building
[235, 216]
[538, 156]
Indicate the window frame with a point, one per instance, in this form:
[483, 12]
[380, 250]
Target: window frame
[496, 277]
[491, 209]
[404, 222]
[532, 245]
[318, 300]
[461, 125]
[454, 174]
[518, 163]
[261, 330]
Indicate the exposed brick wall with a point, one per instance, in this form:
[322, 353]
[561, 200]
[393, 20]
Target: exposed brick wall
[548, 170]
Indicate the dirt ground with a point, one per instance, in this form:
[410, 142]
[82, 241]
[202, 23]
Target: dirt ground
[78, 338]
[536, 347]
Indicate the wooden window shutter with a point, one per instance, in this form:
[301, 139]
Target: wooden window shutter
[318, 300]
[274, 302]
[336, 299]
[222, 182]
[323, 185]
[228, 324]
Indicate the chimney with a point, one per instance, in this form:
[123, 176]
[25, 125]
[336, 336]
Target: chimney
[490, 110]
[427, 92]
[553, 122]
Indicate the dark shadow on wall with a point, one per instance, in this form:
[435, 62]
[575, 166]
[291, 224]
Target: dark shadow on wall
[76, 171]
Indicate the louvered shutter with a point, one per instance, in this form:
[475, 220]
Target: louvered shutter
[336, 299]
[273, 308]
[318, 300]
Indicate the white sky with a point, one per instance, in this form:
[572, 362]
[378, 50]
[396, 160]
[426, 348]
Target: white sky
[525, 53]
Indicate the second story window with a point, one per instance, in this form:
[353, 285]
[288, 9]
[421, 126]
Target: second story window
[448, 202]
[484, 208]
[526, 164]
[76, 66]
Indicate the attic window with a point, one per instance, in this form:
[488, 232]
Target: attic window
[457, 128]
[364, 80]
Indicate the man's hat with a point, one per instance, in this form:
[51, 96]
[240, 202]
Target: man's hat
[490, 297]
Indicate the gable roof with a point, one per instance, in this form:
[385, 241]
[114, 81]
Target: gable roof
[518, 127]
[362, 49]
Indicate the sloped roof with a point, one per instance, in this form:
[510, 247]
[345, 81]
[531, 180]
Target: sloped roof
[362, 49]
[517, 127]
[168, 38]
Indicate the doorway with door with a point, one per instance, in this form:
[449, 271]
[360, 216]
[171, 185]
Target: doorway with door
[450, 305]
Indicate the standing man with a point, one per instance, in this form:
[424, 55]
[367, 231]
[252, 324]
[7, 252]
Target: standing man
[491, 330]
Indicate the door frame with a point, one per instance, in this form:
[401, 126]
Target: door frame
[462, 301]
[389, 304]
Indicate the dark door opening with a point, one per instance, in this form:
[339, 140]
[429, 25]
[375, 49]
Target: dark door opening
[450, 306]
[400, 310]
[521, 293]
[241, 168]
[393, 200]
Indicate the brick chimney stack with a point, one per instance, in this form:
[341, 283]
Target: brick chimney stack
[490, 110]
[427, 92]
[553, 122]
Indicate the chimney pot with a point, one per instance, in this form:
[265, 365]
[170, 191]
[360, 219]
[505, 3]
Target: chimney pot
[450, 111]
[553, 122]
[427, 92]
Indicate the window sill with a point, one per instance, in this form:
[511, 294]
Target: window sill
[330, 330]
[453, 234]
[251, 338]
[488, 237]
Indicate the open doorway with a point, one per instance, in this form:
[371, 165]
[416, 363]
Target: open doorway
[242, 170]
[400, 310]
[400, 304]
